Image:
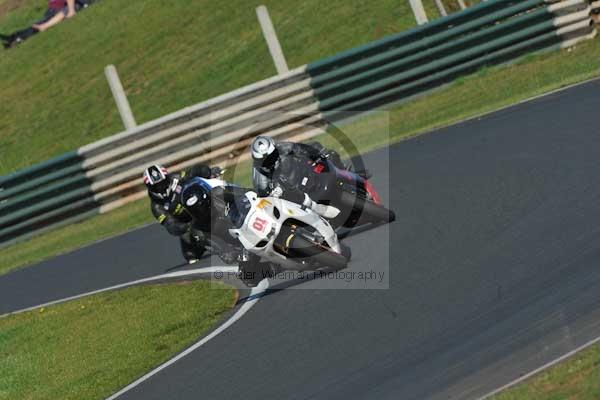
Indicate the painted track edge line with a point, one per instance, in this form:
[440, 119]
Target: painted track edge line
[197, 271]
[542, 368]
[255, 295]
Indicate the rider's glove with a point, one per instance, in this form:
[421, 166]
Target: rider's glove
[277, 192]
[326, 153]
[215, 172]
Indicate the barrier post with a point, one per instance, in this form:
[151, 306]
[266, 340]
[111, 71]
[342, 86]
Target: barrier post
[419, 11]
[120, 98]
[441, 8]
[271, 37]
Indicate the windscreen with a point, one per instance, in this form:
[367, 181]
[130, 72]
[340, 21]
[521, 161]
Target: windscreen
[239, 210]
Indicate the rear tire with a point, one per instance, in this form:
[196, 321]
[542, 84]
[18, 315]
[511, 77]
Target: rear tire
[365, 211]
[324, 257]
[378, 213]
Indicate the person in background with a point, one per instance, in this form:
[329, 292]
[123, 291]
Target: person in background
[56, 12]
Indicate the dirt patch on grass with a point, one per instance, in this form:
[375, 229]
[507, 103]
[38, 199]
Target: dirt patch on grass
[7, 6]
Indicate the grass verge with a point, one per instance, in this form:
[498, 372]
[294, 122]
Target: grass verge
[575, 378]
[169, 55]
[90, 348]
[487, 90]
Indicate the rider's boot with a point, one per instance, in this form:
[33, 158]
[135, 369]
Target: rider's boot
[191, 247]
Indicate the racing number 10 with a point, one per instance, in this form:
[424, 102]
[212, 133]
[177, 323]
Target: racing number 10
[259, 224]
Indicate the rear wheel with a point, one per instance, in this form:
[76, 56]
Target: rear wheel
[365, 211]
[377, 213]
[300, 247]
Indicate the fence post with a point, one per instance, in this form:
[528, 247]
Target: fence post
[120, 98]
[419, 11]
[441, 8]
[271, 37]
[462, 4]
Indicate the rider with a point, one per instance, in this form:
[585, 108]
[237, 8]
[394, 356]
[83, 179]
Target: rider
[215, 210]
[271, 170]
[164, 190]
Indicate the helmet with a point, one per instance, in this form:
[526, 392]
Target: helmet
[264, 153]
[195, 197]
[157, 182]
[262, 146]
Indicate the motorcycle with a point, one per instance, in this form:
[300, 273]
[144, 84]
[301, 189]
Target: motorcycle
[278, 231]
[350, 192]
[287, 235]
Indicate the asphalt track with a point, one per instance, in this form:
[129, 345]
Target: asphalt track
[493, 271]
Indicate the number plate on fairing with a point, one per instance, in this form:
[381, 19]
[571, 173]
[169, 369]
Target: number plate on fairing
[258, 226]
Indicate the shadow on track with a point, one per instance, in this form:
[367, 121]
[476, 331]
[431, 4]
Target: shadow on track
[178, 266]
[280, 287]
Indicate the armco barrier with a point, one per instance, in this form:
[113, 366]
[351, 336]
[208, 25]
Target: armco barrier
[104, 175]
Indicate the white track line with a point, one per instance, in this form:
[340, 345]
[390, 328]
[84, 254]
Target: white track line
[543, 367]
[255, 295]
[206, 270]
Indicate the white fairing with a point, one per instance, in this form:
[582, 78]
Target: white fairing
[215, 182]
[261, 225]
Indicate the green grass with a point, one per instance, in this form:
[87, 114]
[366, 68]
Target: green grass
[490, 89]
[576, 378]
[175, 63]
[451, 6]
[169, 54]
[22, 14]
[90, 348]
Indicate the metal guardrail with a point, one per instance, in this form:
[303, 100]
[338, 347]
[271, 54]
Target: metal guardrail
[299, 104]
